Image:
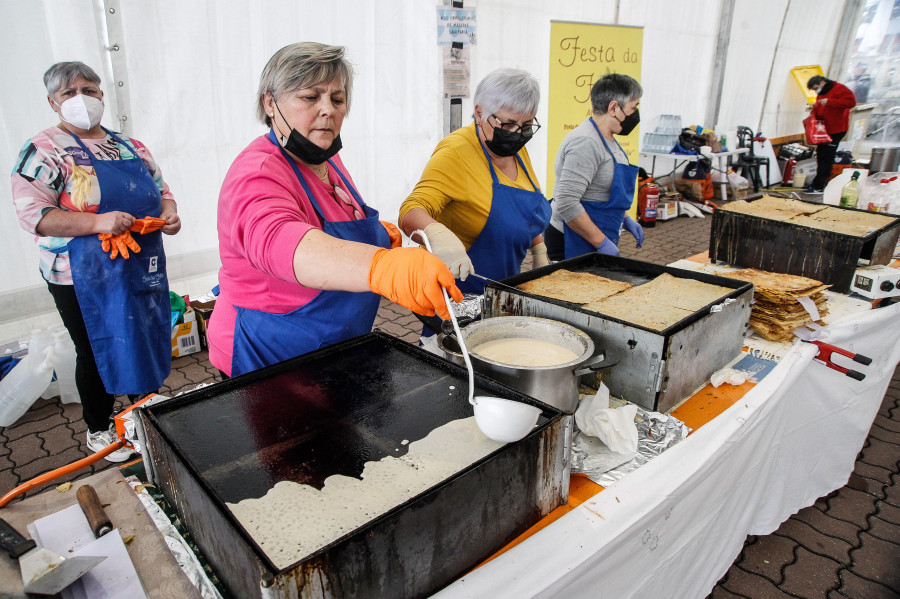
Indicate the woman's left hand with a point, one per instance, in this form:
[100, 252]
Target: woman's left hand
[635, 229]
[170, 215]
[394, 233]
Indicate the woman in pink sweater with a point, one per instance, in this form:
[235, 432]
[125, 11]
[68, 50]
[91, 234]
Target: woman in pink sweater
[304, 258]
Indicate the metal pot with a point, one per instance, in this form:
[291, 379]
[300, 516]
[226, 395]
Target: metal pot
[554, 385]
[884, 160]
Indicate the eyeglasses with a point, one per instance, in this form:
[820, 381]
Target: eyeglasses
[341, 195]
[527, 129]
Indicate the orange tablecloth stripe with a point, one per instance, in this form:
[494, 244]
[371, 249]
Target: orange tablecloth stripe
[699, 409]
[708, 403]
[581, 488]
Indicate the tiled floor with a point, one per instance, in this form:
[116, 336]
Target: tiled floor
[846, 545]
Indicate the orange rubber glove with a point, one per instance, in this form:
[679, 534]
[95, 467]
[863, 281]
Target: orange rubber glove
[148, 224]
[118, 244]
[394, 233]
[413, 277]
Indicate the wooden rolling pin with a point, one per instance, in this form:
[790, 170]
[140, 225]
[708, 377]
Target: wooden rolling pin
[90, 505]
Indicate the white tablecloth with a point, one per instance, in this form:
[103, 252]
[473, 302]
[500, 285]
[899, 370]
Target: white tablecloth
[674, 527]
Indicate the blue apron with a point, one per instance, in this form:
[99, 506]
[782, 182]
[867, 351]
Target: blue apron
[608, 216]
[125, 302]
[517, 216]
[264, 338]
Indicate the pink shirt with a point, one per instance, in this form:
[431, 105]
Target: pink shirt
[263, 214]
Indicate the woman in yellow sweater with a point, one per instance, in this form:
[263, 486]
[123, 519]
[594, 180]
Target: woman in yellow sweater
[478, 199]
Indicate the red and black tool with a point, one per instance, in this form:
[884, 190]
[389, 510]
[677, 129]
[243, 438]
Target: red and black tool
[824, 357]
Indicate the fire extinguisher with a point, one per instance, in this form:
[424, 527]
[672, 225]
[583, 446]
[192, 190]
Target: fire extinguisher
[788, 178]
[648, 200]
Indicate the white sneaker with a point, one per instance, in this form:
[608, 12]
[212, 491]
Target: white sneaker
[99, 441]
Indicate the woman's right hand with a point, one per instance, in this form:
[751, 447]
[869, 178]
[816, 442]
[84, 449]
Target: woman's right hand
[114, 223]
[447, 246]
[412, 277]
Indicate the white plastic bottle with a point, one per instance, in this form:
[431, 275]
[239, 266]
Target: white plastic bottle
[24, 384]
[40, 340]
[64, 365]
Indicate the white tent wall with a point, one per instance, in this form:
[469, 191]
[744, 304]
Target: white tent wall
[192, 68]
[767, 40]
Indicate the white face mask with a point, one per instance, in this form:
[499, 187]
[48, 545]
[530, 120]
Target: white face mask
[81, 111]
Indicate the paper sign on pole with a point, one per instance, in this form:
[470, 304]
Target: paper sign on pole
[456, 25]
[581, 53]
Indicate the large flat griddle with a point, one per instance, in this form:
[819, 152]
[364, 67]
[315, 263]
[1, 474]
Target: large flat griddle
[330, 412]
[752, 241]
[656, 369]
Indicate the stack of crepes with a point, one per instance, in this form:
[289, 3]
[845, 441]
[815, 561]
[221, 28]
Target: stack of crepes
[782, 303]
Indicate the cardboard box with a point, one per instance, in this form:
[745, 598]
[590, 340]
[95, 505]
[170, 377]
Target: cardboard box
[203, 310]
[692, 190]
[186, 335]
[666, 210]
[736, 193]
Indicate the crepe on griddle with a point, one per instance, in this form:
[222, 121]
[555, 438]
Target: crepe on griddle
[646, 313]
[856, 223]
[574, 287]
[773, 208]
[687, 294]
[660, 303]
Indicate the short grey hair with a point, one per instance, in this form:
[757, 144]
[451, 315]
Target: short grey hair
[302, 65]
[513, 89]
[615, 86]
[63, 73]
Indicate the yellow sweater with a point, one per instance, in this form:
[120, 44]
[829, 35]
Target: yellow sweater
[455, 188]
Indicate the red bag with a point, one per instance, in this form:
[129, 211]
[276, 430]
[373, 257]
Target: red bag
[815, 131]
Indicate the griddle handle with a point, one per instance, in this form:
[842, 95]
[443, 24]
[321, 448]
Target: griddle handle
[13, 542]
[853, 374]
[598, 362]
[864, 360]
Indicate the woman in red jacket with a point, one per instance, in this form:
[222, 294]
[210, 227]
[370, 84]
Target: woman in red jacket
[833, 107]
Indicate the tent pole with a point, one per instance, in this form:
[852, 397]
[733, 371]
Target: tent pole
[845, 38]
[726, 16]
[762, 112]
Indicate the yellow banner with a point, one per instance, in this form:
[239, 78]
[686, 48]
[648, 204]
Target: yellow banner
[581, 53]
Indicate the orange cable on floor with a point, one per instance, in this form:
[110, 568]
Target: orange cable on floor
[54, 474]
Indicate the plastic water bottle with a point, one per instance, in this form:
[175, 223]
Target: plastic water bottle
[40, 340]
[64, 364]
[24, 384]
[850, 192]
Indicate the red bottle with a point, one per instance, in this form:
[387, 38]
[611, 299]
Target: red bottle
[788, 177]
[648, 200]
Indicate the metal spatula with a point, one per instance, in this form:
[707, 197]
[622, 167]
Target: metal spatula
[43, 572]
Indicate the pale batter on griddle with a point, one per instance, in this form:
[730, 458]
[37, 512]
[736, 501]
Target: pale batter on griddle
[292, 521]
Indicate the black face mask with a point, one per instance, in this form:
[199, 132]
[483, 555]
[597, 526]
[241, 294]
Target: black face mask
[506, 143]
[629, 122]
[306, 150]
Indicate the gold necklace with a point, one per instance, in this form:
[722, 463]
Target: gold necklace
[324, 176]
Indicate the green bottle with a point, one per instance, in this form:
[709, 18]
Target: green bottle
[850, 192]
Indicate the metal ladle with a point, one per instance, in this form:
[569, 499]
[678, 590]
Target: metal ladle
[499, 419]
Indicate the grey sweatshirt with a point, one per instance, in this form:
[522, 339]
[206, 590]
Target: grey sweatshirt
[584, 172]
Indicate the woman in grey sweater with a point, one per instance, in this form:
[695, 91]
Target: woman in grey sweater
[594, 180]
